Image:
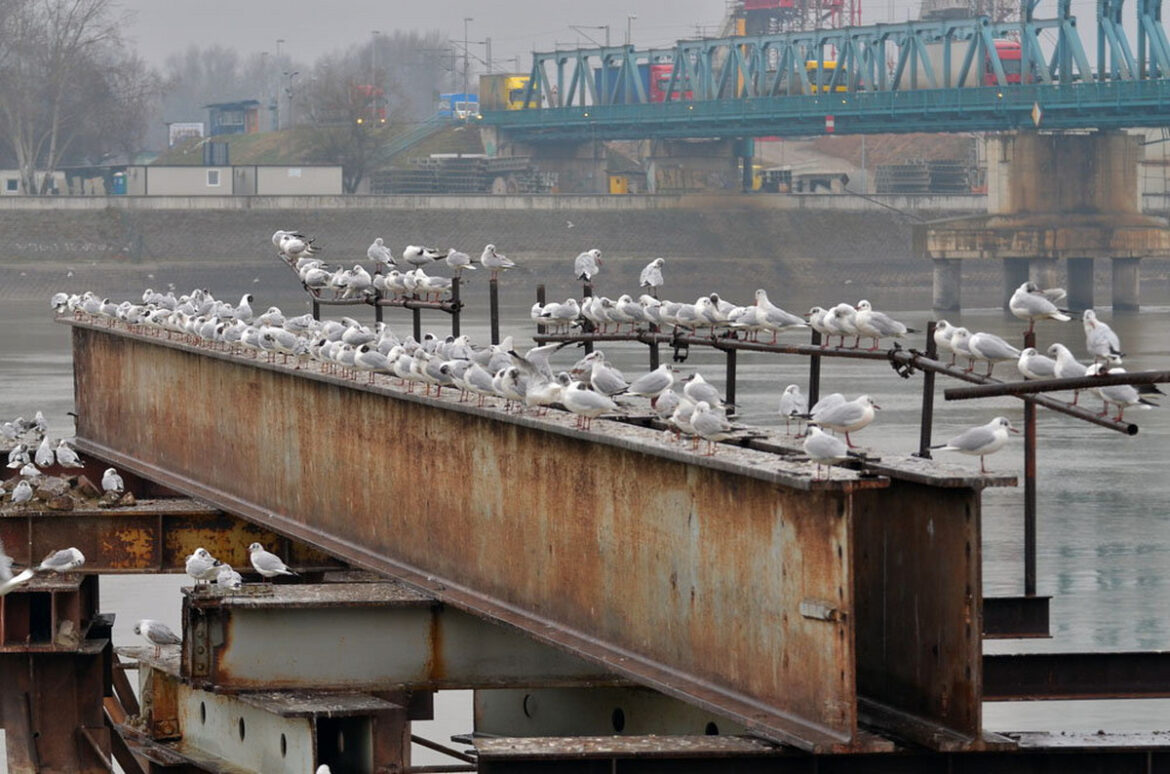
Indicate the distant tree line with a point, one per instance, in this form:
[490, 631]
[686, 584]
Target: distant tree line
[74, 93]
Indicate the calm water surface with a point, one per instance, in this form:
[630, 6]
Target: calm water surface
[1104, 518]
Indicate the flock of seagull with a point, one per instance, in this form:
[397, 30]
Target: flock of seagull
[593, 387]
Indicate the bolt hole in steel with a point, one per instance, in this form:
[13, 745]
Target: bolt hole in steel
[618, 718]
[202, 713]
[711, 729]
[283, 746]
[241, 724]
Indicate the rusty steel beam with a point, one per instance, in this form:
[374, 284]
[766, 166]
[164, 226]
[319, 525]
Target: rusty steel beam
[1125, 675]
[685, 538]
[152, 536]
[1015, 617]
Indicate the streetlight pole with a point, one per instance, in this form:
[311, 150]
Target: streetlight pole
[466, 58]
[289, 92]
[629, 20]
[374, 77]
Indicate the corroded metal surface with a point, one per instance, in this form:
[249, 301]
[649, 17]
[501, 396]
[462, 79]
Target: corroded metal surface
[919, 615]
[154, 535]
[725, 581]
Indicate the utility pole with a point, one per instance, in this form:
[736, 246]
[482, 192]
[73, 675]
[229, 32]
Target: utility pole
[374, 77]
[466, 57]
[629, 20]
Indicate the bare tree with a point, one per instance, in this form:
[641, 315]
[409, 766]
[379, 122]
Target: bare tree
[64, 65]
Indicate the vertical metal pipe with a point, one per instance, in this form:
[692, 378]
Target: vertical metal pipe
[924, 431]
[587, 292]
[377, 309]
[654, 344]
[417, 313]
[730, 390]
[457, 305]
[540, 296]
[316, 310]
[494, 308]
[814, 372]
[1029, 487]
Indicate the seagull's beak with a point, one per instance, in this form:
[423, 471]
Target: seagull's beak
[1012, 429]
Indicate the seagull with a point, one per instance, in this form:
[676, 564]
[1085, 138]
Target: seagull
[981, 440]
[44, 456]
[418, 256]
[22, 492]
[711, 425]
[793, 405]
[652, 384]
[651, 276]
[459, 261]
[495, 261]
[587, 265]
[1030, 303]
[202, 566]
[991, 348]
[228, 577]
[698, 389]
[877, 325]
[1033, 365]
[157, 634]
[1121, 395]
[848, 416]
[586, 404]
[62, 561]
[606, 379]
[1100, 340]
[1067, 366]
[823, 449]
[943, 331]
[380, 254]
[8, 581]
[774, 318]
[112, 482]
[267, 564]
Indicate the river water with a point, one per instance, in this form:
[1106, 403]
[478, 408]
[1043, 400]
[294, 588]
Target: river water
[1104, 498]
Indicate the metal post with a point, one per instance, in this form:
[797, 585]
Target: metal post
[927, 426]
[730, 396]
[377, 309]
[587, 292]
[540, 300]
[1029, 487]
[316, 311]
[457, 306]
[417, 313]
[814, 372]
[654, 344]
[494, 308]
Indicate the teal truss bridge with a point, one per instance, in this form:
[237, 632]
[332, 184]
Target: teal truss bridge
[927, 76]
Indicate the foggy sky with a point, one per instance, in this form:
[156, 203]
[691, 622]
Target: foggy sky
[516, 27]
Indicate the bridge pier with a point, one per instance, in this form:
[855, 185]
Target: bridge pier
[948, 284]
[1053, 197]
[1080, 284]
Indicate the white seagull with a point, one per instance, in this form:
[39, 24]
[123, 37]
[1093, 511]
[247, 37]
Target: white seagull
[848, 416]
[1033, 365]
[62, 561]
[1100, 340]
[157, 634]
[587, 265]
[380, 254]
[793, 405]
[1030, 303]
[495, 261]
[267, 564]
[981, 440]
[202, 566]
[651, 276]
[112, 482]
[823, 449]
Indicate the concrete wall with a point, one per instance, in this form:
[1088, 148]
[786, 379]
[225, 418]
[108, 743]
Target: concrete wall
[293, 181]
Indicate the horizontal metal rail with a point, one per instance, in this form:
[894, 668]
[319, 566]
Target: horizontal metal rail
[1052, 385]
[898, 357]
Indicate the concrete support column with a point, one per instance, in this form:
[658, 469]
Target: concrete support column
[1045, 272]
[1080, 284]
[1015, 273]
[948, 284]
[1126, 284]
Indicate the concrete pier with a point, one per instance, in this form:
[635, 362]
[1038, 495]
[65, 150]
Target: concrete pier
[1080, 284]
[948, 284]
[1052, 197]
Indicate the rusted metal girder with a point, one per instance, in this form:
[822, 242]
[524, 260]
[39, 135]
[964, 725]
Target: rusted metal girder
[154, 535]
[611, 543]
[368, 636]
[1120, 675]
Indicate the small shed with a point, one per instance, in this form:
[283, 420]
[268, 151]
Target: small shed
[233, 117]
